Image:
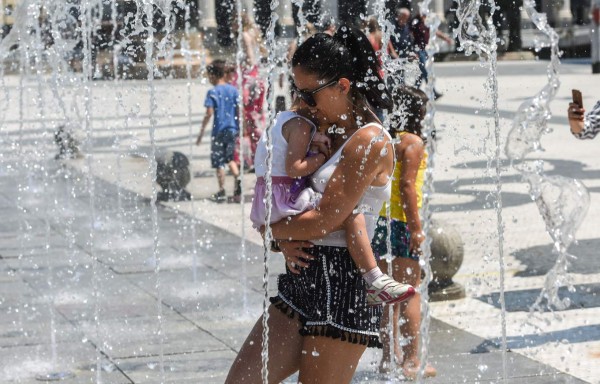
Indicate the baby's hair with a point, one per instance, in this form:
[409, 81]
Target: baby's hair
[410, 106]
[216, 68]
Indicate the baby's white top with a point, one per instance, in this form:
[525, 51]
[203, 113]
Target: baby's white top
[279, 145]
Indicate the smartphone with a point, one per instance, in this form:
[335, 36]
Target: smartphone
[577, 98]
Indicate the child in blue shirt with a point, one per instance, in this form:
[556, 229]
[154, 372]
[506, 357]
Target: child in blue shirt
[222, 103]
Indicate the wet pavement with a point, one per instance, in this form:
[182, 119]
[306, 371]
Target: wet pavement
[97, 282]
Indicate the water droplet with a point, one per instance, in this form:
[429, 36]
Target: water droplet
[343, 116]
[315, 353]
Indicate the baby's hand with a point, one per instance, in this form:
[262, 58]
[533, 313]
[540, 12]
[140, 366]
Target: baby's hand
[321, 143]
[322, 138]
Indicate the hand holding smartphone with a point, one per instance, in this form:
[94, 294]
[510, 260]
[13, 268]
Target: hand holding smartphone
[577, 98]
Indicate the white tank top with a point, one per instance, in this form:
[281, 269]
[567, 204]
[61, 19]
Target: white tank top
[279, 144]
[370, 203]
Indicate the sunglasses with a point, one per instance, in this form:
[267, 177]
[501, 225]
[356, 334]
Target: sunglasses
[308, 96]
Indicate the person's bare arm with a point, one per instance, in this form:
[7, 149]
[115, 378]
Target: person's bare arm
[392, 50]
[249, 43]
[411, 154]
[344, 189]
[443, 36]
[298, 132]
[205, 121]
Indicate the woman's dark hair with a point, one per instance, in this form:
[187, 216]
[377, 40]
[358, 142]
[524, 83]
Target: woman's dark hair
[347, 54]
[410, 106]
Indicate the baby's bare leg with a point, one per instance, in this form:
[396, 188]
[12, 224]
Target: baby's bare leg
[359, 244]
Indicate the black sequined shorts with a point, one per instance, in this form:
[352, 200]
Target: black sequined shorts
[329, 298]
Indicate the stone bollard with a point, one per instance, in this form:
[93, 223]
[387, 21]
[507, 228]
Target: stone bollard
[68, 147]
[447, 252]
[173, 175]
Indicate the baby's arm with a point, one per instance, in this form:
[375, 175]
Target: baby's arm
[359, 244]
[298, 132]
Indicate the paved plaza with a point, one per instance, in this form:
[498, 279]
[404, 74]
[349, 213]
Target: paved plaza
[98, 283]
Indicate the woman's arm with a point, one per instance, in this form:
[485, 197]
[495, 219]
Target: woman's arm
[410, 152]
[298, 133]
[344, 190]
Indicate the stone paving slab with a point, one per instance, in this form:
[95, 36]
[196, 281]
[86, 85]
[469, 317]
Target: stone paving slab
[139, 337]
[205, 367]
[77, 358]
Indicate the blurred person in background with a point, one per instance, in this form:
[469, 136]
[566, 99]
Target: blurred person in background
[253, 88]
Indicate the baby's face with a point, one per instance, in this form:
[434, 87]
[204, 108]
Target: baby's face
[306, 111]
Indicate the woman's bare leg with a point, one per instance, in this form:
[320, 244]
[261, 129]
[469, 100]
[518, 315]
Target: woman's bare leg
[285, 349]
[385, 365]
[328, 361]
[409, 271]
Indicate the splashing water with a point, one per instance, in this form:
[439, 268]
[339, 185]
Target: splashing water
[479, 38]
[272, 62]
[432, 22]
[562, 202]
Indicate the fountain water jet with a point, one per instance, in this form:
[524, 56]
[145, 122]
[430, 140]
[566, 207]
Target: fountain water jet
[562, 202]
[477, 37]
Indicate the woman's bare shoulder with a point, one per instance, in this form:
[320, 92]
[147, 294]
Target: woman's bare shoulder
[411, 139]
[409, 142]
[371, 137]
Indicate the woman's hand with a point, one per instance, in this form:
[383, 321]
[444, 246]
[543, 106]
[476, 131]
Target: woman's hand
[576, 118]
[295, 257]
[575, 112]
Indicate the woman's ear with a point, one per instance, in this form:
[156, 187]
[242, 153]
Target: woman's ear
[344, 85]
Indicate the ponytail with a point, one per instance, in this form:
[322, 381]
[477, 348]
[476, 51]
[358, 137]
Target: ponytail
[364, 66]
[347, 54]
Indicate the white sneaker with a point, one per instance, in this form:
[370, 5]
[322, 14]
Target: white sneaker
[387, 290]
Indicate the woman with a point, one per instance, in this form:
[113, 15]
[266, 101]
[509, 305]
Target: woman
[405, 225]
[320, 323]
